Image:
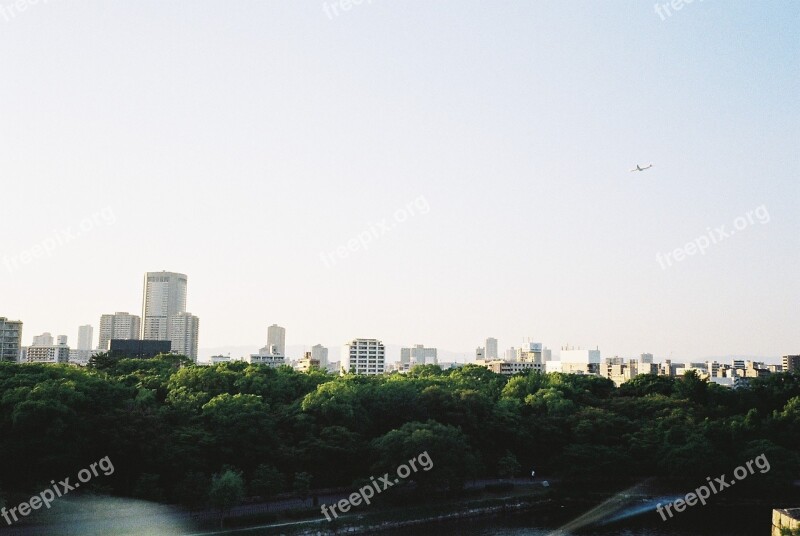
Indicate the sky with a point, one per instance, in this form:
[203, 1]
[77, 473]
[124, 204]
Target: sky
[431, 172]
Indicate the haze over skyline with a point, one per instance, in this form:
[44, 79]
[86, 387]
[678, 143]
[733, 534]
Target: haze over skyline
[485, 150]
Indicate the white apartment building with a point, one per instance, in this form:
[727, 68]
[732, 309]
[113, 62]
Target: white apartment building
[363, 356]
[120, 326]
[184, 332]
[54, 353]
[268, 359]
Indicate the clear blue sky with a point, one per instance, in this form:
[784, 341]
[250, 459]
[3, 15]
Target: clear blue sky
[237, 141]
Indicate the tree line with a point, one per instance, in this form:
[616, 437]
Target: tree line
[174, 430]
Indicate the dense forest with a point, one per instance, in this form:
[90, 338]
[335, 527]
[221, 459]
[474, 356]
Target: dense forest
[168, 426]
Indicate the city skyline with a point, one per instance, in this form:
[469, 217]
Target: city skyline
[472, 162]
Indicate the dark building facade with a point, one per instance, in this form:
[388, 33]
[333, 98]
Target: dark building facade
[138, 348]
[791, 363]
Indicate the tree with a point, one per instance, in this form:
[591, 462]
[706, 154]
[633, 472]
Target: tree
[226, 491]
[453, 460]
[267, 481]
[192, 490]
[508, 466]
[302, 485]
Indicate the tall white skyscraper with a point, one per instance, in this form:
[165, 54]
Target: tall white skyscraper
[320, 353]
[184, 330]
[85, 337]
[121, 326]
[363, 356]
[491, 348]
[276, 340]
[164, 297]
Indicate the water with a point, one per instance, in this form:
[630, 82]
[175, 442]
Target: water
[708, 522]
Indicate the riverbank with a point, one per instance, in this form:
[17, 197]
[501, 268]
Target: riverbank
[493, 500]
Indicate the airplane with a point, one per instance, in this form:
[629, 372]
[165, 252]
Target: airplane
[639, 168]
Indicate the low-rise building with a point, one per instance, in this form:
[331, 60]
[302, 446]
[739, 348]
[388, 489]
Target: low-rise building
[578, 361]
[137, 348]
[509, 368]
[308, 363]
[53, 353]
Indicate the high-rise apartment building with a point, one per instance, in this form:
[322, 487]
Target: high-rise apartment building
[119, 326]
[184, 330]
[85, 337]
[791, 363]
[480, 353]
[320, 353]
[491, 348]
[10, 339]
[164, 297]
[363, 356]
[276, 340]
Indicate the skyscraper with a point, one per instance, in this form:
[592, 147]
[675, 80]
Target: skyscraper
[276, 340]
[10, 339]
[121, 326]
[184, 329]
[491, 348]
[164, 297]
[85, 337]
